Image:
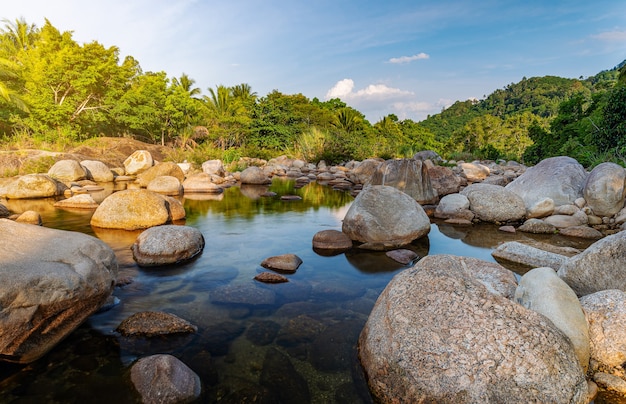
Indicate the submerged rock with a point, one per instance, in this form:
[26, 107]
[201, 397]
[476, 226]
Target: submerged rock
[154, 323]
[165, 379]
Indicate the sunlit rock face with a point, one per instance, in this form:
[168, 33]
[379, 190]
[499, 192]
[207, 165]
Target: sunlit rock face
[604, 189]
[409, 176]
[50, 282]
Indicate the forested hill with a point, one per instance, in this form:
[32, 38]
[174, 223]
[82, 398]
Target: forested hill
[515, 120]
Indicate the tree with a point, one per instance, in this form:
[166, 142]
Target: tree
[186, 84]
[229, 119]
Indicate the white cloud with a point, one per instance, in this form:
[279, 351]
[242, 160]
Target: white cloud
[409, 59]
[611, 36]
[344, 89]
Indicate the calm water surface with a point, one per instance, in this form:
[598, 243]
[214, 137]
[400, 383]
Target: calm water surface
[271, 343]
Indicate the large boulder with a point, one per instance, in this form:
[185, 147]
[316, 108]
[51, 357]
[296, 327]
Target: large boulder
[409, 176]
[604, 189]
[558, 178]
[165, 379]
[439, 334]
[444, 181]
[50, 282]
[67, 171]
[97, 171]
[167, 168]
[599, 267]
[132, 209]
[493, 203]
[167, 244]
[384, 217]
[541, 290]
[33, 186]
[364, 171]
[165, 185]
[606, 314]
[474, 172]
[213, 167]
[138, 162]
[255, 176]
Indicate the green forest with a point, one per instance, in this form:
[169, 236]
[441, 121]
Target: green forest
[56, 93]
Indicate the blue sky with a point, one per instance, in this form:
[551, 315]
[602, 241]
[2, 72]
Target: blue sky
[410, 58]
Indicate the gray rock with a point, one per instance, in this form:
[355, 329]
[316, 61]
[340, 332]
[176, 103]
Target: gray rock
[581, 232]
[132, 209]
[67, 171]
[383, 217]
[523, 254]
[167, 244]
[493, 203]
[454, 206]
[284, 263]
[331, 240]
[364, 171]
[138, 162]
[165, 379]
[558, 178]
[604, 189]
[540, 208]
[407, 175]
[213, 167]
[81, 201]
[563, 221]
[97, 171]
[542, 291]
[254, 176]
[599, 267]
[445, 181]
[537, 226]
[437, 334]
[51, 281]
[153, 324]
[427, 155]
[606, 314]
[402, 256]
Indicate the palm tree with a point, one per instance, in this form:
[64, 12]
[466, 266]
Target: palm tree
[8, 74]
[347, 119]
[221, 101]
[244, 93]
[17, 36]
[186, 83]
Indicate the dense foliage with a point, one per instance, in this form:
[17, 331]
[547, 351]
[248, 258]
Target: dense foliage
[56, 92]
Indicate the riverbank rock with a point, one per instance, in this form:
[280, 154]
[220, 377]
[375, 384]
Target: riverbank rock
[165, 185]
[331, 242]
[97, 171]
[33, 186]
[50, 282]
[604, 189]
[81, 201]
[599, 267]
[131, 209]
[213, 167]
[384, 217]
[444, 181]
[474, 172]
[138, 162]
[165, 379]
[542, 291]
[166, 245]
[407, 175]
[201, 183]
[606, 314]
[154, 323]
[255, 176]
[437, 334]
[537, 226]
[494, 203]
[558, 178]
[167, 168]
[527, 256]
[67, 171]
[454, 206]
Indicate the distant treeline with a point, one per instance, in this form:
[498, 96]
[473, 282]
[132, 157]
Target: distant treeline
[56, 92]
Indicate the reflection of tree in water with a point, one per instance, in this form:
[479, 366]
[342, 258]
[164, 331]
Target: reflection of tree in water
[249, 201]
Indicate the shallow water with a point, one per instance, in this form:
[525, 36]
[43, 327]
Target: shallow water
[289, 341]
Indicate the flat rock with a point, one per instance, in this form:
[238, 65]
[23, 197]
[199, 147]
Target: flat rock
[154, 323]
[82, 201]
[286, 263]
[270, 277]
[33, 186]
[167, 244]
[519, 253]
[165, 379]
[581, 232]
[537, 226]
[402, 256]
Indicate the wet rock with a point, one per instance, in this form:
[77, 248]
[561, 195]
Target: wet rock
[542, 291]
[402, 256]
[606, 314]
[454, 206]
[254, 176]
[519, 253]
[537, 226]
[138, 162]
[165, 379]
[165, 185]
[407, 175]
[280, 376]
[97, 171]
[270, 277]
[33, 186]
[493, 203]
[604, 189]
[298, 330]
[285, 263]
[599, 267]
[67, 171]
[581, 232]
[82, 201]
[75, 273]
[243, 294]
[167, 244]
[290, 198]
[218, 337]
[131, 209]
[333, 291]
[330, 242]
[262, 332]
[558, 178]
[154, 323]
[436, 334]
[383, 217]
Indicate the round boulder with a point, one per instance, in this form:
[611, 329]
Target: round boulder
[331, 241]
[97, 171]
[493, 203]
[213, 167]
[67, 171]
[454, 206]
[165, 185]
[33, 186]
[168, 244]
[167, 168]
[165, 379]
[284, 263]
[131, 209]
[439, 334]
[255, 176]
[138, 162]
[384, 217]
[604, 189]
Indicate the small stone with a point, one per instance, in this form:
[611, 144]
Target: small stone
[285, 262]
[30, 217]
[334, 240]
[402, 256]
[82, 201]
[269, 277]
[507, 229]
[165, 379]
